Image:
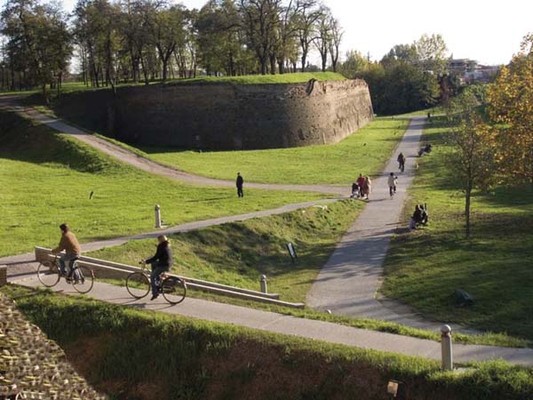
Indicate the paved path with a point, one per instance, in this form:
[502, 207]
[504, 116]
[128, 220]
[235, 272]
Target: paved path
[150, 166]
[348, 283]
[306, 328]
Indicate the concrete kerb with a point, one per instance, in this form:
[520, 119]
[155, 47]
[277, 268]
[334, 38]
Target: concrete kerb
[113, 270]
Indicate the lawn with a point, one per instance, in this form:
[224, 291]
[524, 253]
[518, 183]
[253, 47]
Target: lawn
[127, 353]
[364, 152]
[425, 267]
[239, 253]
[48, 179]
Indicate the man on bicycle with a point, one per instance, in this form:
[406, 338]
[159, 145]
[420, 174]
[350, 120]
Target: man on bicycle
[72, 248]
[161, 262]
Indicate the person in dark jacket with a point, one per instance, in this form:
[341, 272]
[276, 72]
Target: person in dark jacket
[161, 262]
[239, 182]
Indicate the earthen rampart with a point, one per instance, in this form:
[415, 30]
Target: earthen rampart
[224, 116]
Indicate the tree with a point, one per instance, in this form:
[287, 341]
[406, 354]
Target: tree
[308, 13]
[335, 42]
[431, 53]
[511, 107]
[324, 35]
[472, 159]
[261, 20]
[168, 32]
[38, 42]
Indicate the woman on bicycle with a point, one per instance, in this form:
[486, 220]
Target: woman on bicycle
[161, 262]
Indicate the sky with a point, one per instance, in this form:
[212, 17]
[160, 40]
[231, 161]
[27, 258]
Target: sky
[488, 32]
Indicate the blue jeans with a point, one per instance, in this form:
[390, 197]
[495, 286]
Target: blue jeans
[155, 277]
[63, 259]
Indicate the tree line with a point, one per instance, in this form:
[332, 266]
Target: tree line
[146, 40]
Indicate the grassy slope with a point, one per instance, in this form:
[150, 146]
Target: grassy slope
[127, 353]
[298, 77]
[238, 253]
[363, 152]
[425, 267]
[46, 179]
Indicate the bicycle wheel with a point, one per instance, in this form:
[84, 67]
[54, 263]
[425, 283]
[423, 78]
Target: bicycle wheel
[48, 273]
[82, 278]
[174, 289]
[138, 285]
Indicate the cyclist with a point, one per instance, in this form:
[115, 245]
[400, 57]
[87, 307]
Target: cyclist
[72, 249]
[161, 262]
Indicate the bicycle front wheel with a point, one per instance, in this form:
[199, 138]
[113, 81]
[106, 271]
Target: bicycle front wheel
[174, 289]
[138, 285]
[82, 279]
[48, 273]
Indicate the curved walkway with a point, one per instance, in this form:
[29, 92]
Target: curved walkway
[306, 328]
[150, 166]
[346, 285]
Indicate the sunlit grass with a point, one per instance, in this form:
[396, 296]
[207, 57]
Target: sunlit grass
[425, 267]
[365, 151]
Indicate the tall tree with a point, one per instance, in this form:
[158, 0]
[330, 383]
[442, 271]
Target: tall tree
[511, 107]
[324, 35]
[38, 41]
[432, 53]
[168, 32]
[335, 42]
[308, 14]
[261, 20]
[472, 158]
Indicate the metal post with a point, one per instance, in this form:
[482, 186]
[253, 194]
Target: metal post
[157, 210]
[446, 346]
[3, 275]
[264, 288]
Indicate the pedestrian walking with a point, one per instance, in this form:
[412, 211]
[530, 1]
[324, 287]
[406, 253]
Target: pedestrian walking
[392, 180]
[239, 182]
[367, 187]
[401, 162]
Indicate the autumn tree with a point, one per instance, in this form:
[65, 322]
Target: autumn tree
[472, 157]
[511, 107]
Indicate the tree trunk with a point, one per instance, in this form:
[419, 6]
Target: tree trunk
[468, 199]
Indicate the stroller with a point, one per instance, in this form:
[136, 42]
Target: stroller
[356, 192]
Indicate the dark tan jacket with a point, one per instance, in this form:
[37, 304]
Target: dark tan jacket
[69, 243]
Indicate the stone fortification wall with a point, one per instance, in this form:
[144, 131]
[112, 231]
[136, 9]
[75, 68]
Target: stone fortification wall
[226, 116]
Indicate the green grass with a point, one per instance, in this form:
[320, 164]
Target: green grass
[128, 353]
[47, 179]
[364, 152]
[299, 77]
[239, 253]
[425, 267]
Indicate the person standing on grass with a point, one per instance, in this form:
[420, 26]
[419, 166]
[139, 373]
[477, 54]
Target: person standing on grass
[392, 180]
[160, 262]
[239, 182]
[69, 243]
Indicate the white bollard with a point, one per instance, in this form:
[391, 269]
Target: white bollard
[157, 210]
[264, 288]
[446, 347]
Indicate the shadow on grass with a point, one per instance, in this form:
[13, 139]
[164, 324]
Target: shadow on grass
[38, 144]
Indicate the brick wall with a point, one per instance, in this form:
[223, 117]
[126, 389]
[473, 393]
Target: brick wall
[225, 116]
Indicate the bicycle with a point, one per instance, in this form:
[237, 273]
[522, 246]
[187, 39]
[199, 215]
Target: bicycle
[172, 288]
[81, 277]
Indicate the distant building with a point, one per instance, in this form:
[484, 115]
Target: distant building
[469, 71]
